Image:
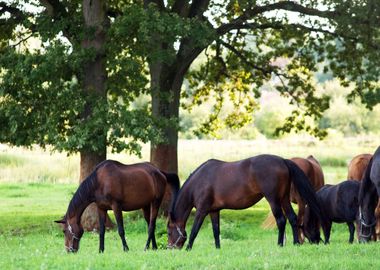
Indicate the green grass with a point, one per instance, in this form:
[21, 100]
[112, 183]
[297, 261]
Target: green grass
[36, 186]
[30, 240]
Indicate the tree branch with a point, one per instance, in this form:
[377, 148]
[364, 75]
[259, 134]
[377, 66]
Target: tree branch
[198, 7]
[267, 71]
[57, 10]
[159, 3]
[181, 7]
[283, 5]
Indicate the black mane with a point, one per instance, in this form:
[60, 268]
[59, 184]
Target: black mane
[172, 213]
[83, 194]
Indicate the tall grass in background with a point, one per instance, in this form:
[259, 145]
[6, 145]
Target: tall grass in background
[334, 154]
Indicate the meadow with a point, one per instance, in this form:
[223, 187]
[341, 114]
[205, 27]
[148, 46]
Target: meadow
[36, 186]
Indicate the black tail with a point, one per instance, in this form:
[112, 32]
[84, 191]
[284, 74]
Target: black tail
[305, 189]
[173, 181]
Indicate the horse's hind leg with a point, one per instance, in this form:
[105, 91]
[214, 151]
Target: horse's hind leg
[146, 211]
[292, 217]
[120, 225]
[152, 224]
[102, 228]
[215, 220]
[351, 228]
[198, 220]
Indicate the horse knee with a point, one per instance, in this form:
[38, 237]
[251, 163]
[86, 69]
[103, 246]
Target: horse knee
[281, 221]
[121, 232]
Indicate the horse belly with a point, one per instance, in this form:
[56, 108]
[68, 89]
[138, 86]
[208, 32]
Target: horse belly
[237, 200]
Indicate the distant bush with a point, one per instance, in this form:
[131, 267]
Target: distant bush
[333, 162]
[10, 160]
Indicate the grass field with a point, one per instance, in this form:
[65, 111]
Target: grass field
[35, 188]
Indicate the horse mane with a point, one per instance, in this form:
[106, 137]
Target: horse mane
[84, 192]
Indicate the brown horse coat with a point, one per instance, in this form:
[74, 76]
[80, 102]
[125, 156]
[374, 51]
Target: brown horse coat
[357, 166]
[120, 187]
[217, 185]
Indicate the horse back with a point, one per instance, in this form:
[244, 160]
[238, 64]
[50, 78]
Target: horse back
[340, 202]
[319, 179]
[133, 186]
[236, 185]
[357, 166]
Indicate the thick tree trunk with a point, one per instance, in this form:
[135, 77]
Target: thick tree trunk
[94, 78]
[165, 91]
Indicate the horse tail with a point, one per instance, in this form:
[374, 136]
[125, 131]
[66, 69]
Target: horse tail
[305, 189]
[173, 180]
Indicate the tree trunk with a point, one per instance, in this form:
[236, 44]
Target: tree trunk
[94, 78]
[165, 92]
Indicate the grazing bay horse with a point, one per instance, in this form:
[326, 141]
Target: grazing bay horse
[368, 198]
[339, 204]
[313, 170]
[120, 187]
[357, 166]
[217, 185]
[356, 170]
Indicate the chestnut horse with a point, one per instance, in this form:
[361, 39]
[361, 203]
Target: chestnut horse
[357, 166]
[313, 170]
[217, 185]
[356, 170]
[368, 197]
[120, 187]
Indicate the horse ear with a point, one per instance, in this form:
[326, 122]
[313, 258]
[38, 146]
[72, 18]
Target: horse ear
[62, 221]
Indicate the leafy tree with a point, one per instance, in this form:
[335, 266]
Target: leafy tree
[246, 44]
[74, 90]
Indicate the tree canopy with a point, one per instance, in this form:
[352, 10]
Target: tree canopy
[41, 88]
[151, 47]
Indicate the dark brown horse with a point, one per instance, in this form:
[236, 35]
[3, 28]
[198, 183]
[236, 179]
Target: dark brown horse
[339, 204]
[357, 166]
[120, 187]
[217, 185]
[356, 171]
[313, 170]
[368, 198]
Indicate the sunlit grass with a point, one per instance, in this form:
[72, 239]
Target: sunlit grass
[31, 240]
[36, 186]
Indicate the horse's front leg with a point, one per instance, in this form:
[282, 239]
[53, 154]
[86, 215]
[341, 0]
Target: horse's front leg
[120, 225]
[198, 220]
[351, 229]
[215, 220]
[102, 228]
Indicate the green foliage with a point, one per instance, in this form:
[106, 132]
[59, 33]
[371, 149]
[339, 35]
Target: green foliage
[246, 44]
[41, 90]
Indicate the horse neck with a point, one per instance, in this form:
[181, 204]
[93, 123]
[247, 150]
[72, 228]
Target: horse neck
[78, 204]
[183, 206]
